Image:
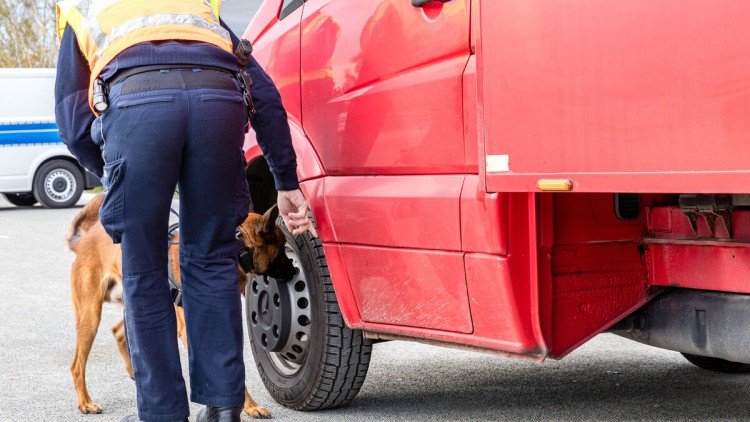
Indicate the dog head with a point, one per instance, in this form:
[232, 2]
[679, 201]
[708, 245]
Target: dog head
[266, 241]
[263, 238]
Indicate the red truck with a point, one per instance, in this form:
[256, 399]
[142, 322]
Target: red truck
[510, 176]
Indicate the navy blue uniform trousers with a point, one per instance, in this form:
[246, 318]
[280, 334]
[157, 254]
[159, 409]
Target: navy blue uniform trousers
[152, 141]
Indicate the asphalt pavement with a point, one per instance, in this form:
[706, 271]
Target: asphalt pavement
[609, 378]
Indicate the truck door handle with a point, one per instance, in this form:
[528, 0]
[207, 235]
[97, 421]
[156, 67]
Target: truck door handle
[420, 3]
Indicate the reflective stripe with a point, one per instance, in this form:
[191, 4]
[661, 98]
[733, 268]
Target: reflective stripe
[71, 15]
[80, 6]
[103, 41]
[90, 9]
[215, 6]
[84, 6]
[94, 29]
[85, 14]
[208, 3]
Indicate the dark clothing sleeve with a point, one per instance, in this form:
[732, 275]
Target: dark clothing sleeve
[272, 128]
[72, 112]
[271, 125]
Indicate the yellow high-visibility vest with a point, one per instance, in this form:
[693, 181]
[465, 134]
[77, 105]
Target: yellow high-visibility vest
[104, 28]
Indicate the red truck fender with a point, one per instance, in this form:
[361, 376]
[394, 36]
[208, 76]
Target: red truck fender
[309, 169]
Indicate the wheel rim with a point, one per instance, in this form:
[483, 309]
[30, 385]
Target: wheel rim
[281, 317]
[59, 185]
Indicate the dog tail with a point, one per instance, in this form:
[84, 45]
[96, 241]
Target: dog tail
[83, 221]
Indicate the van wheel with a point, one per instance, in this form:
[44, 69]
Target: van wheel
[307, 357]
[717, 365]
[58, 184]
[25, 199]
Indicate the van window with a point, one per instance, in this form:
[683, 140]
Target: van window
[289, 6]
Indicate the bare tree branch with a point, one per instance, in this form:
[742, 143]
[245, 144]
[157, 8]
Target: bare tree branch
[27, 33]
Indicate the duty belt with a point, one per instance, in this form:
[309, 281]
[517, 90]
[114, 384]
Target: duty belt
[145, 78]
[177, 76]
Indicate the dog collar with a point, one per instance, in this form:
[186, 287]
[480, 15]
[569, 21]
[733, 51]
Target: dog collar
[244, 256]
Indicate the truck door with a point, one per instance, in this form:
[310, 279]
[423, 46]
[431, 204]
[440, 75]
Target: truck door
[382, 96]
[616, 96]
[278, 50]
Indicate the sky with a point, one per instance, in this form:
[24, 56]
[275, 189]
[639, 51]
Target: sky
[237, 13]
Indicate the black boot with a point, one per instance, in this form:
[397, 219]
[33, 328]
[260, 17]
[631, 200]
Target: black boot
[219, 414]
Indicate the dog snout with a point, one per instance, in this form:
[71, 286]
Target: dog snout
[282, 269]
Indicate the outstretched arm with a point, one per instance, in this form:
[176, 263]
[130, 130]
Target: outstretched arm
[275, 140]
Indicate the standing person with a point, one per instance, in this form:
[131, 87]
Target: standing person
[175, 115]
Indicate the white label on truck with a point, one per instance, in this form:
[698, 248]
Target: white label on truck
[496, 163]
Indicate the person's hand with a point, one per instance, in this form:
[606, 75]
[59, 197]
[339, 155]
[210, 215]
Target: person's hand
[293, 210]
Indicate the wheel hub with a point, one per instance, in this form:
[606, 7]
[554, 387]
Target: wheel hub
[60, 185]
[270, 316]
[280, 317]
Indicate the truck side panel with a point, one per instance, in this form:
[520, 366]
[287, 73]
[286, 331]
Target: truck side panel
[628, 96]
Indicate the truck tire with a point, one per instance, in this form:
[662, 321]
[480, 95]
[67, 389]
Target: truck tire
[25, 199]
[306, 356]
[717, 365]
[58, 184]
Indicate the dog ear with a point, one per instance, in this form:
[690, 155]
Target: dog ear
[269, 219]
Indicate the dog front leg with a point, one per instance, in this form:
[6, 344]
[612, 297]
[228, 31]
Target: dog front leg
[181, 328]
[118, 330]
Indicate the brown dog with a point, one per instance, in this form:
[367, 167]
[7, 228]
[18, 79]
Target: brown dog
[96, 277]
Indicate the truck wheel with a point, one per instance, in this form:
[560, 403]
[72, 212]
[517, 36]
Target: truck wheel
[307, 357]
[717, 365]
[25, 199]
[58, 184]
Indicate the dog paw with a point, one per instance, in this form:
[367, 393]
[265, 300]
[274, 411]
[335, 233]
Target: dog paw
[258, 412]
[88, 408]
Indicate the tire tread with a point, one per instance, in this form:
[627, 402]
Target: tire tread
[346, 358]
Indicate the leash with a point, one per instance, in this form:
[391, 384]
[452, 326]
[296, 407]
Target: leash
[244, 258]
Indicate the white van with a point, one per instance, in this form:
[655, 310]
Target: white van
[35, 166]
